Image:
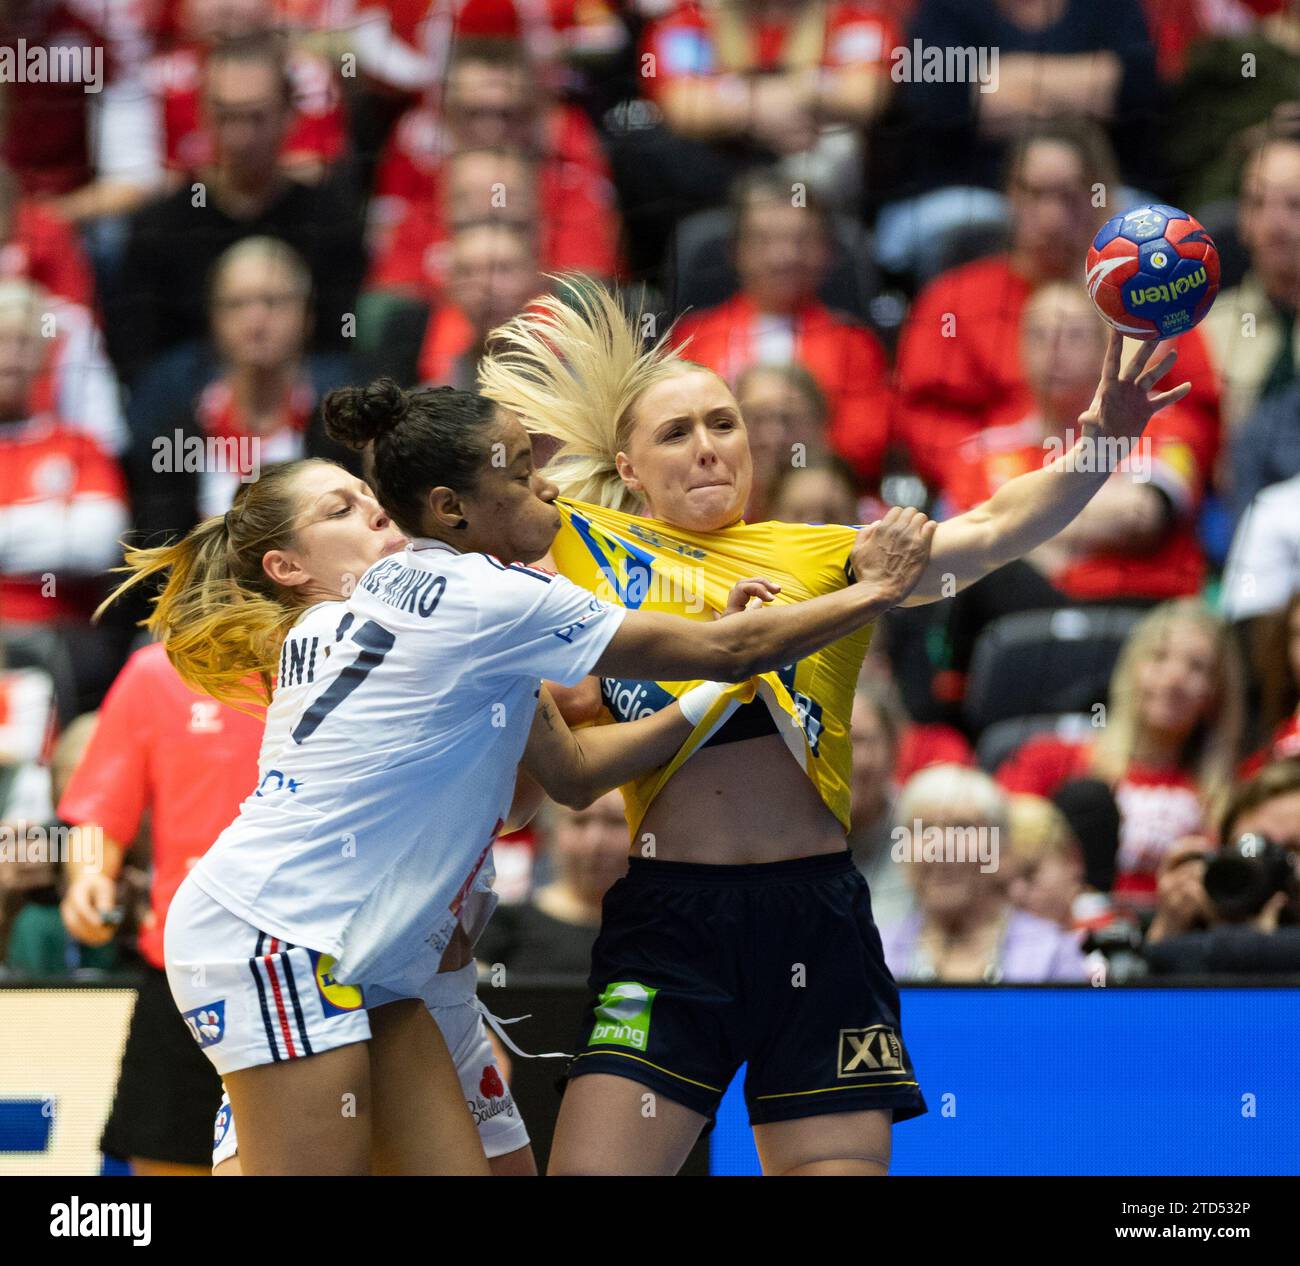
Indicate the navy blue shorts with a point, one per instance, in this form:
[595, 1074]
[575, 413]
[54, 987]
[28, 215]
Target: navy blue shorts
[699, 969]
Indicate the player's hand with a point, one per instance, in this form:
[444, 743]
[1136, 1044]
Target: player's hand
[891, 554]
[1126, 396]
[744, 591]
[88, 899]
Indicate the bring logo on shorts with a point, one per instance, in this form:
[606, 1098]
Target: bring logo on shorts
[623, 1015]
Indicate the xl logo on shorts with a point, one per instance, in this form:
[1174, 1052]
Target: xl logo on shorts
[623, 1015]
[871, 1050]
[207, 1024]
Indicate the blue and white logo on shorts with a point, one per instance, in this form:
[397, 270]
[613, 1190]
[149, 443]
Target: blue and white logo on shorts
[221, 1126]
[207, 1023]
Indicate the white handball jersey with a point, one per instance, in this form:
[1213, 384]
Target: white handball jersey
[390, 753]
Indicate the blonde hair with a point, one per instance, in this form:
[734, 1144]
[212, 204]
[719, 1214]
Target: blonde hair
[1038, 830]
[220, 617]
[573, 369]
[1210, 753]
[736, 36]
[941, 791]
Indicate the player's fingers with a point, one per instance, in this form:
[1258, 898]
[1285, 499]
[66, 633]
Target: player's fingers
[1155, 372]
[1140, 361]
[1114, 353]
[1166, 398]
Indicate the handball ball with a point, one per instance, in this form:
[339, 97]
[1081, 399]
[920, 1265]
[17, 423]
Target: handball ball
[1153, 272]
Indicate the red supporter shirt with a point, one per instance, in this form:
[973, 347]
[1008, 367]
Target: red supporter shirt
[162, 747]
[959, 363]
[318, 129]
[45, 125]
[1157, 807]
[844, 357]
[1002, 451]
[1284, 745]
[684, 44]
[45, 461]
[410, 236]
[923, 745]
[43, 248]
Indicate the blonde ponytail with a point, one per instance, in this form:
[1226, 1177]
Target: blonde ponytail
[573, 369]
[221, 619]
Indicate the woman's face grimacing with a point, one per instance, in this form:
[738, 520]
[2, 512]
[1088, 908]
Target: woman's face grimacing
[688, 454]
[341, 531]
[509, 513]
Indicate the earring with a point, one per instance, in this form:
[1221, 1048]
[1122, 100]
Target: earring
[464, 523]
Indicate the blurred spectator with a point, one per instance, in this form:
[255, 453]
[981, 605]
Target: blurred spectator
[187, 762]
[1135, 539]
[38, 245]
[958, 358]
[785, 416]
[1045, 869]
[73, 378]
[1168, 744]
[176, 137]
[406, 44]
[493, 100]
[62, 500]
[1266, 449]
[797, 81]
[498, 186]
[1090, 58]
[782, 255]
[1263, 567]
[74, 139]
[33, 939]
[1276, 661]
[820, 492]
[952, 825]
[876, 727]
[493, 275]
[1251, 329]
[553, 932]
[245, 193]
[1235, 911]
[1204, 147]
[247, 398]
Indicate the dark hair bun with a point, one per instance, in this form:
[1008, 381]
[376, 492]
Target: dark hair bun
[357, 416]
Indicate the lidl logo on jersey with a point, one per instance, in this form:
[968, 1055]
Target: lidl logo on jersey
[207, 1024]
[335, 998]
[876, 1050]
[623, 1015]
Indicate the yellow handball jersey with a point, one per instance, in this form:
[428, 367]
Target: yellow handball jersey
[646, 565]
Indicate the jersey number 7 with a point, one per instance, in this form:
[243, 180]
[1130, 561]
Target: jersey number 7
[375, 642]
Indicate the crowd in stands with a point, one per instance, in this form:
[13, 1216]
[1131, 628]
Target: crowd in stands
[258, 202]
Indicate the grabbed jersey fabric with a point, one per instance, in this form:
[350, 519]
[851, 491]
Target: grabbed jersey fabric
[645, 564]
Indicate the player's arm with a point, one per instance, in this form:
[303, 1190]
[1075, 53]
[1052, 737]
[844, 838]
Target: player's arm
[1032, 508]
[887, 558]
[577, 767]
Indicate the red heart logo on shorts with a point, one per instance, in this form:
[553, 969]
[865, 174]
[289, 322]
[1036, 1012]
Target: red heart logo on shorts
[491, 1086]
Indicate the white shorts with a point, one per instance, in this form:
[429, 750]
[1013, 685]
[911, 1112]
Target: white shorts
[248, 997]
[450, 1000]
[251, 999]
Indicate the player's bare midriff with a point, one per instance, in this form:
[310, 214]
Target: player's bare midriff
[738, 804]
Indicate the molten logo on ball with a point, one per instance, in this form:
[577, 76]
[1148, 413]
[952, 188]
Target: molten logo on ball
[1153, 272]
